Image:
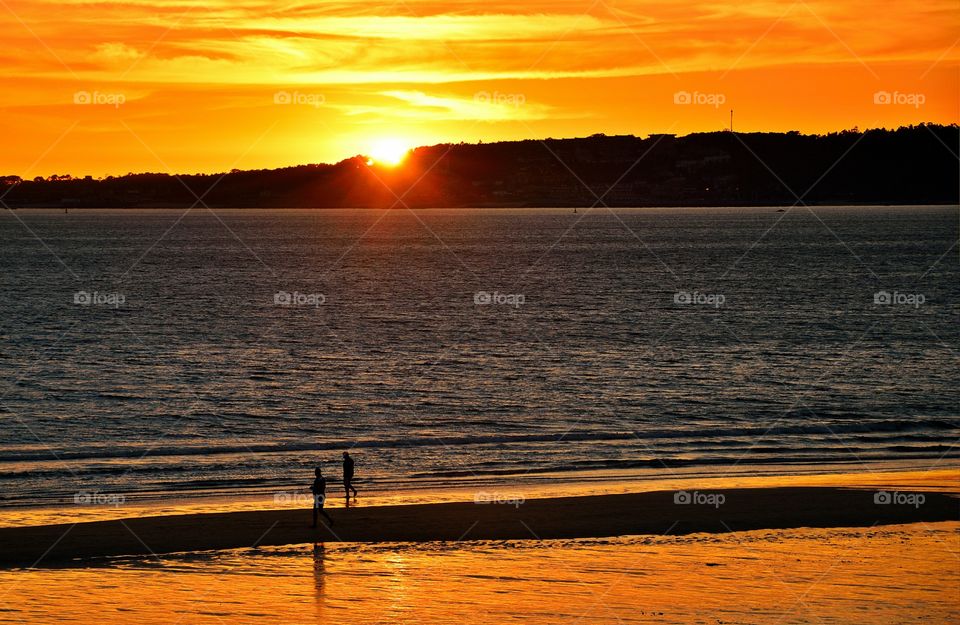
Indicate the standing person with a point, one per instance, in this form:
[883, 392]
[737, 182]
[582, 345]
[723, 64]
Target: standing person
[348, 476]
[319, 490]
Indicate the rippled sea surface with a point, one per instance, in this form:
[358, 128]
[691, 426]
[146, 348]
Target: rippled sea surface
[145, 351]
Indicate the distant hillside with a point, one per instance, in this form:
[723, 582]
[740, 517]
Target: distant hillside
[916, 164]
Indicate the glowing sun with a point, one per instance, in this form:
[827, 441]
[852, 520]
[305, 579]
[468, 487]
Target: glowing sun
[389, 151]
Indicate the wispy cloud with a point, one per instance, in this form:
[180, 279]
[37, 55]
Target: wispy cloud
[354, 42]
[208, 69]
[487, 106]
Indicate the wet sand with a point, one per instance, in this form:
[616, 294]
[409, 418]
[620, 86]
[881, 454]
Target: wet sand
[651, 513]
[815, 576]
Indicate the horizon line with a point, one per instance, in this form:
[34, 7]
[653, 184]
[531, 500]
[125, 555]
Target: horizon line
[854, 129]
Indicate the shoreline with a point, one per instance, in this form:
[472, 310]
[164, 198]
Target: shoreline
[903, 475]
[898, 474]
[663, 512]
[503, 207]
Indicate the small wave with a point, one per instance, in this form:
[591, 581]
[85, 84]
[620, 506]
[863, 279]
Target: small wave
[677, 463]
[235, 448]
[706, 435]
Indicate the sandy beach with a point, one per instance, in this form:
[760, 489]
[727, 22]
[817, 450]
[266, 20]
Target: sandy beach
[652, 513]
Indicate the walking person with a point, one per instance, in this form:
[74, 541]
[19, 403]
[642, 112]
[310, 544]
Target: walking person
[348, 476]
[319, 490]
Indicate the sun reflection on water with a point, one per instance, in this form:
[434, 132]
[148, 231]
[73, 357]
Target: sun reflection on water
[862, 576]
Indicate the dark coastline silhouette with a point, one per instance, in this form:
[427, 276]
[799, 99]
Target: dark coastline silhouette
[910, 165]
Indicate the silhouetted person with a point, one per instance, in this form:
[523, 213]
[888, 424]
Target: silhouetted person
[319, 490]
[348, 476]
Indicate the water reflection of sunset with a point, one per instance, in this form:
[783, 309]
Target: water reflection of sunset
[766, 577]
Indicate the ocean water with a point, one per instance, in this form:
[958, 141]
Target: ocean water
[163, 352]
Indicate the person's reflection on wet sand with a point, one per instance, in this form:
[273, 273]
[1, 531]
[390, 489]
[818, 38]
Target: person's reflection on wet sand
[319, 554]
[319, 580]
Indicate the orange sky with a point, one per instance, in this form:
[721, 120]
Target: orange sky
[107, 87]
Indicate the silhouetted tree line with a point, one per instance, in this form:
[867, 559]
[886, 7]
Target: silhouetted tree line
[915, 164]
